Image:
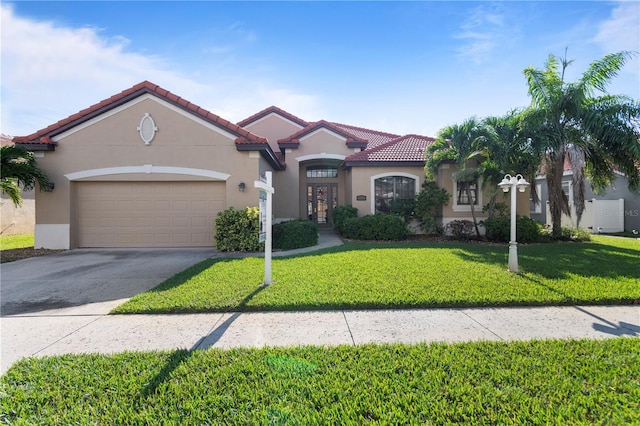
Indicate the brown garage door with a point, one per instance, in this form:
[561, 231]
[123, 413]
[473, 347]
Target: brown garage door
[147, 214]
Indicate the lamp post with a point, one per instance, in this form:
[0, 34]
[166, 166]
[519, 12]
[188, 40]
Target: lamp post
[513, 182]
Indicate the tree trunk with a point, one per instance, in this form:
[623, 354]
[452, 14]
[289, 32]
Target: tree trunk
[492, 207]
[558, 202]
[473, 211]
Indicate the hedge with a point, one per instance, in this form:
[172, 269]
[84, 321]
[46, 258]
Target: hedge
[375, 227]
[295, 234]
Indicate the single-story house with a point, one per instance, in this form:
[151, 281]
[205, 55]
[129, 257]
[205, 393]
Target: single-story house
[616, 209]
[148, 168]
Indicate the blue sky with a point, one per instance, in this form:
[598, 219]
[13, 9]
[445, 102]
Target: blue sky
[402, 67]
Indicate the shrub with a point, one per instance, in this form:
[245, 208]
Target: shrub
[428, 206]
[576, 234]
[498, 228]
[403, 208]
[237, 230]
[528, 230]
[295, 234]
[460, 228]
[341, 214]
[375, 227]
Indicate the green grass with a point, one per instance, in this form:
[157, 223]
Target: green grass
[535, 382]
[360, 276]
[10, 242]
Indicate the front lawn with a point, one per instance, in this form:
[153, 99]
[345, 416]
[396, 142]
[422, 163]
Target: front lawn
[535, 382]
[384, 275]
[9, 242]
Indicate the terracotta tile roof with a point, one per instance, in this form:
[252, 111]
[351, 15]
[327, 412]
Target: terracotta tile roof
[406, 149]
[565, 167]
[273, 109]
[352, 140]
[374, 137]
[44, 136]
[5, 140]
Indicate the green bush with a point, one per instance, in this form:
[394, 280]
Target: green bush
[528, 230]
[428, 206]
[295, 234]
[575, 234]
[237, 230]
[461, 229]
[375, 227]
[498, 228]
[341, 214]
[405, 209]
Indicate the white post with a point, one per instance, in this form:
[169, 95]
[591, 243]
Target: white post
[269, 189]
[513, 245]
[511, 183]
[267, 243]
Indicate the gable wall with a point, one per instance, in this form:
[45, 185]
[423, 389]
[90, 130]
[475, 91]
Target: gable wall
[315, 148]
[273, 127]
[115, 142]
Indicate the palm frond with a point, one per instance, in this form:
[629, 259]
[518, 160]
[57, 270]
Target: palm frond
[9, 187]
[600, 72]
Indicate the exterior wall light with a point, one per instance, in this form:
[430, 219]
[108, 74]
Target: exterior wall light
[241, 187]
[511, 183]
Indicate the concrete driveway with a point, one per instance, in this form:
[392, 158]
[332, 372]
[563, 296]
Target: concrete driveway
[96, 280]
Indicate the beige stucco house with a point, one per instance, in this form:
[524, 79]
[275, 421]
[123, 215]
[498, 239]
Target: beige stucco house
[146, 168]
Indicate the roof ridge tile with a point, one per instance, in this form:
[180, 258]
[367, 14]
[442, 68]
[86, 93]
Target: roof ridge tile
[60, 126]
[269, 110]
[321, 123]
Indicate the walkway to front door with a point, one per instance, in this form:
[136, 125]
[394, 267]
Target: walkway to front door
[322, 198]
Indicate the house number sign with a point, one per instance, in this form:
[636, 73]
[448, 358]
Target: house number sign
[147, 128]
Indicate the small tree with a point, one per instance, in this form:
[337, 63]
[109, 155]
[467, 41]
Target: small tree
[579, 123]
[428, 205]
[18, 168]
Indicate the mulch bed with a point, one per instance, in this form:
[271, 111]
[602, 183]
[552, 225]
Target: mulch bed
[24, 253]
[423, 238]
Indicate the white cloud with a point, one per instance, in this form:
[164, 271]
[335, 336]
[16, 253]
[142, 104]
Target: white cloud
[482, 32]
[621, 31]
[254, 96]
[51, 71]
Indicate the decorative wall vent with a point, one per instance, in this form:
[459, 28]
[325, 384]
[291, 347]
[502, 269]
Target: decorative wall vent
[147, 128]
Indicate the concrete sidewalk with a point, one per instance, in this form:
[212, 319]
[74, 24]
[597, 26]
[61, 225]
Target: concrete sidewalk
[70, 330]
[87, 328]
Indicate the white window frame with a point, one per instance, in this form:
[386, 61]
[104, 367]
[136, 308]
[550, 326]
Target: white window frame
[466, 207]
[390, 174]
[569, 193]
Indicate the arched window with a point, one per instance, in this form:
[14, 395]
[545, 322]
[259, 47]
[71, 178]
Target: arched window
[393, 188]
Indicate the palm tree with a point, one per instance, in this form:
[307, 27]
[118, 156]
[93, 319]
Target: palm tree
[19, 169]
[595, 132]
[460, 143]
[505, 150]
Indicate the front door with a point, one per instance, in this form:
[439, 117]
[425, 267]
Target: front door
[321, 200]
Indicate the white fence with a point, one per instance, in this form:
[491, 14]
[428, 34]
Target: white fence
[599, 216]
